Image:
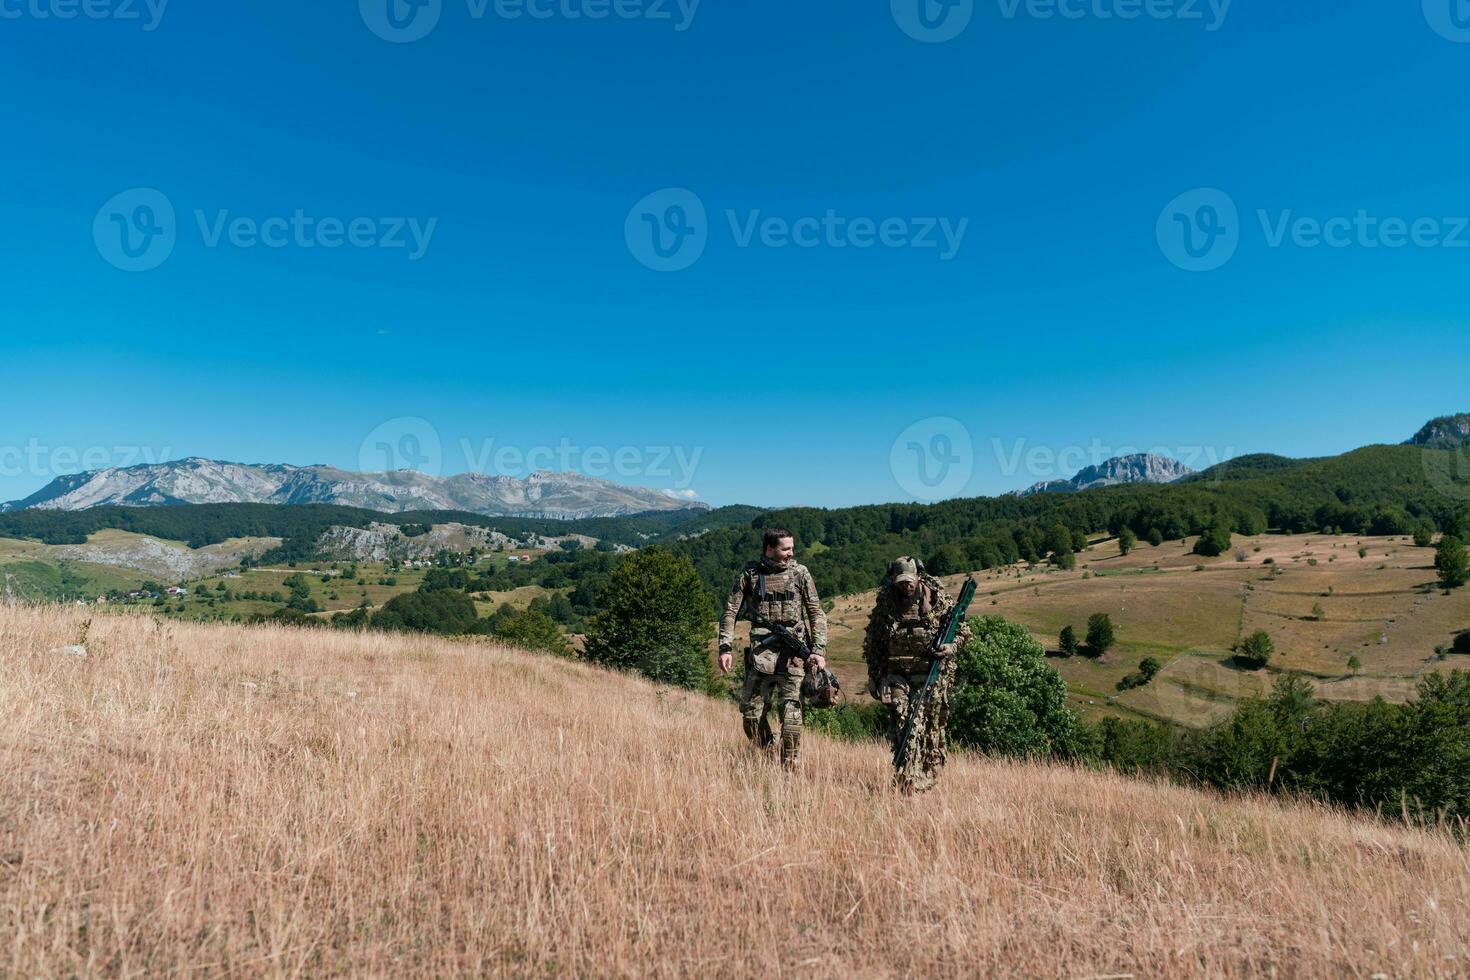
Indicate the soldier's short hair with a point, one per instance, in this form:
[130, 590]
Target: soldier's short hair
[773, 537]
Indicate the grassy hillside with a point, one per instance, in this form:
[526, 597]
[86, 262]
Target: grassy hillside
[1189, 612]
[276, 802]
[32, 571]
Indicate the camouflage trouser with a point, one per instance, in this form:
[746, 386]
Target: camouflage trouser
[755, 701]
[929, 742]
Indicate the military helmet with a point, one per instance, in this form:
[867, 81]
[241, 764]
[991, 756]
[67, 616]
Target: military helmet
[819, 688]
[904, 569]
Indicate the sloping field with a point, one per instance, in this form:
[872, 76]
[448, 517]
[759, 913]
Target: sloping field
[211, 799]
[116, 559]
[1189, 612]
[33, 571]
[167, 560]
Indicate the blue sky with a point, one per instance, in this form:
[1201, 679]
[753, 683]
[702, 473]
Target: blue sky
[1059, 322]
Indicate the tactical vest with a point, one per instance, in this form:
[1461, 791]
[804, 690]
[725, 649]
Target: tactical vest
[782, 603]
[782, 600]
[911, 633]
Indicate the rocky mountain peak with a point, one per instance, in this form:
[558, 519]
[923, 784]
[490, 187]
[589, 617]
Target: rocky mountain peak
[1445, 432]
[1136, 468]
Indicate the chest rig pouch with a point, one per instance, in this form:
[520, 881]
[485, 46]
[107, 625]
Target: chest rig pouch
[778, 600]
[910, 635]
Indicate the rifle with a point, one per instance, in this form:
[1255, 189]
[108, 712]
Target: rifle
[790, 644]
[943, 638]
[781, 636]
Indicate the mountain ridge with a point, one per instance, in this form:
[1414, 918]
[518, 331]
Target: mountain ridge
[199, 480]
[1133, 468]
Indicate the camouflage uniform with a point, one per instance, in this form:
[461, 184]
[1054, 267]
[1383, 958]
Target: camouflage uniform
[790, 600]
[896, 647]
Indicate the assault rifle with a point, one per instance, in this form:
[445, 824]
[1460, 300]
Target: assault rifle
[943, 638]
[781, 637]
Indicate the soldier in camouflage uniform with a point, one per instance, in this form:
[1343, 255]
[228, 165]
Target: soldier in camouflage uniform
[901, 630]
[784, 593]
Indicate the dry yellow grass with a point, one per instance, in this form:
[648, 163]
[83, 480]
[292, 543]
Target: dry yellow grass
[217, 800]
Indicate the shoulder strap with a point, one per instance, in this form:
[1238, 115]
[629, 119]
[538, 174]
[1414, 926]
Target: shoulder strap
[929, 591]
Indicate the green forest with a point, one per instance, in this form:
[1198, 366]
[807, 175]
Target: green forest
[1377, 490]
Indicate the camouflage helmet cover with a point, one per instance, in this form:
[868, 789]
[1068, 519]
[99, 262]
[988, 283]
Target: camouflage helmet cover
[903, 569]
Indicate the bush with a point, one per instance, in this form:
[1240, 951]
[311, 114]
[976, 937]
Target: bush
[1423, 536]
[1126, 540]
[1242, 752]
[1058, 542]
[1067, 642]
[1131, 746]
[1147, 668]
[358, 618]
[441, 611]
[655, 619]
[1007, 700]
[286, 615]
[1213, 542]
[445, 578]
[1155, 537]
[1451, 562]
[1255, 651]
[534, 630]
[849, 722]
[1411, 759]
[1100, 634]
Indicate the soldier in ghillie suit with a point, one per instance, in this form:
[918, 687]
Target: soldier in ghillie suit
[781, 591]
[898, 647]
